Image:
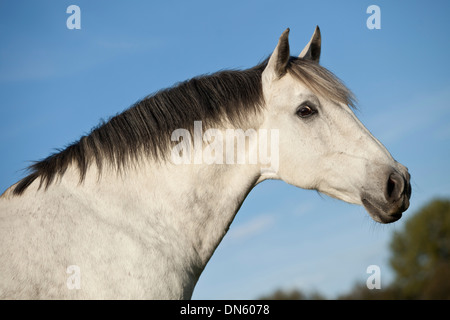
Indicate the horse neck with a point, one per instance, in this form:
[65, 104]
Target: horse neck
[208, 201]
[188, 207]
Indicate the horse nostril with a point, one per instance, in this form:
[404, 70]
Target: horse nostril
[395, 187]
[390, 187]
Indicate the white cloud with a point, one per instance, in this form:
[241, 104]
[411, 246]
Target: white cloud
[250, 228]
[304, 208]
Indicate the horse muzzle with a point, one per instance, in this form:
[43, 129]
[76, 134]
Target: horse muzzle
[395, 199]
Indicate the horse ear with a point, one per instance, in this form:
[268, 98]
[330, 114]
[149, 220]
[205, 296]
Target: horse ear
[312, 49]
[276, 67]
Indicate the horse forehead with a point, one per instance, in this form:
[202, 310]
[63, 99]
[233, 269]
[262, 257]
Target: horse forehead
[287, 88]
[289, 83]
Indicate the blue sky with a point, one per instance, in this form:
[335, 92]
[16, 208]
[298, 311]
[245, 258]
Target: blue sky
[56, 84]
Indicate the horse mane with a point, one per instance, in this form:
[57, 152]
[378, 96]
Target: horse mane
[145, 128]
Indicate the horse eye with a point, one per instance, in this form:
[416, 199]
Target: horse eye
[305, 111]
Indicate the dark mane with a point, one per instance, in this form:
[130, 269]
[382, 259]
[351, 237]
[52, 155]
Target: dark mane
[145, 128]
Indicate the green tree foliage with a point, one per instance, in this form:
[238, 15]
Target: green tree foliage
[360, 292]
[420, 259]
[421, 253]
[294, 294]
